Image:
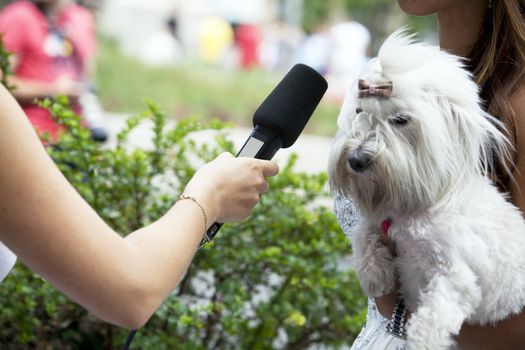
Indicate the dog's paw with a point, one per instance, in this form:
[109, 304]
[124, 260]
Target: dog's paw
[377, 274]
[377, 283]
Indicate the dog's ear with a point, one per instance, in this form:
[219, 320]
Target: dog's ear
[480, 136]
[347, 110]
[337, 166]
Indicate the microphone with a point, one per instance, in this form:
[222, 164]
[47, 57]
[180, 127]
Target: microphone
[281, 117]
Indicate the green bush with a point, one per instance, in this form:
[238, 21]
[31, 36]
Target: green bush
[273, 281]
[5, 69]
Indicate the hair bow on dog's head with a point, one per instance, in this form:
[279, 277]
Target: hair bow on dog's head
[366, 89]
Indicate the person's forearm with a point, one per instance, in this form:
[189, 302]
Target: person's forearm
[150, 264]
[163, 252]
[26, 90]
[505, 335]
[59, 236]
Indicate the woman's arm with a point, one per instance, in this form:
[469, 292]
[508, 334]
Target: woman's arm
[27, 90]
[58, 235]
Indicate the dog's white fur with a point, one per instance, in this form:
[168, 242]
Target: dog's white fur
[460, 243]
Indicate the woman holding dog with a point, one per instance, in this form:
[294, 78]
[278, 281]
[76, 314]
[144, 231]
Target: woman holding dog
[490, 34]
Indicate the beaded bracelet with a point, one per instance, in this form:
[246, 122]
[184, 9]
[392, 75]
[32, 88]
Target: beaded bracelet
[206, 238]
[397, 324]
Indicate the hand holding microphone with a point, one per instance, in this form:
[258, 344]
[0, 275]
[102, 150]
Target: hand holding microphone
[229, 187]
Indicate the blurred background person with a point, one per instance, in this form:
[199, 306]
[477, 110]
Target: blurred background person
[53, 44]
[315, 49]
[163, 46]
[349, 52]
[247, 40]
[85, 24]
[278, 47]
[216, 39]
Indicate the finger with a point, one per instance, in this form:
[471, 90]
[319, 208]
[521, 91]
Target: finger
[225, 155]
[269, 168]
[263, 187]
[388, 242]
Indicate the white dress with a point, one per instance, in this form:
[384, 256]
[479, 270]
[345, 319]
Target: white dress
[378, 333]
[7, 261]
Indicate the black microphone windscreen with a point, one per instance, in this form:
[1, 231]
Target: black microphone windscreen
[290, 105]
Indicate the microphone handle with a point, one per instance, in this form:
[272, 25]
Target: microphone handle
[263, 143]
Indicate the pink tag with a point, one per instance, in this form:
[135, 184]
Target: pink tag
[385, 225]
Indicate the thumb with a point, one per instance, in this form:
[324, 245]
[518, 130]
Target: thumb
[269, 168]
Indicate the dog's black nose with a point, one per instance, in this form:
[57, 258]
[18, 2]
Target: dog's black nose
[359, 160]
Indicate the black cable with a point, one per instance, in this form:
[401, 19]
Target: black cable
[129, 339]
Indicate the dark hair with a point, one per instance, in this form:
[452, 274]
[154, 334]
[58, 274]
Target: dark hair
[497, 61]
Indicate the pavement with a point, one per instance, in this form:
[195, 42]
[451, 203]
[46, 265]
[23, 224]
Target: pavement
[312, 150]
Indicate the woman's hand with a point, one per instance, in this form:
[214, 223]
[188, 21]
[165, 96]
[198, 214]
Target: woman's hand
[66, 86]
[385, 304]
[230, 187]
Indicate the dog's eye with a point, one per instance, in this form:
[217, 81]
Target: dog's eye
[358, 110]
[399, 120]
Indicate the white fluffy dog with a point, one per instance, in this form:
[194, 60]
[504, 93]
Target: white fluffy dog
[413, 151]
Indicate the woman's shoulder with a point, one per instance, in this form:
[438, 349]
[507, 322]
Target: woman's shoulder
[517, 102]
[20, 9]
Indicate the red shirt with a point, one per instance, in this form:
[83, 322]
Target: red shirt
[47, 52]
[248, 38]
